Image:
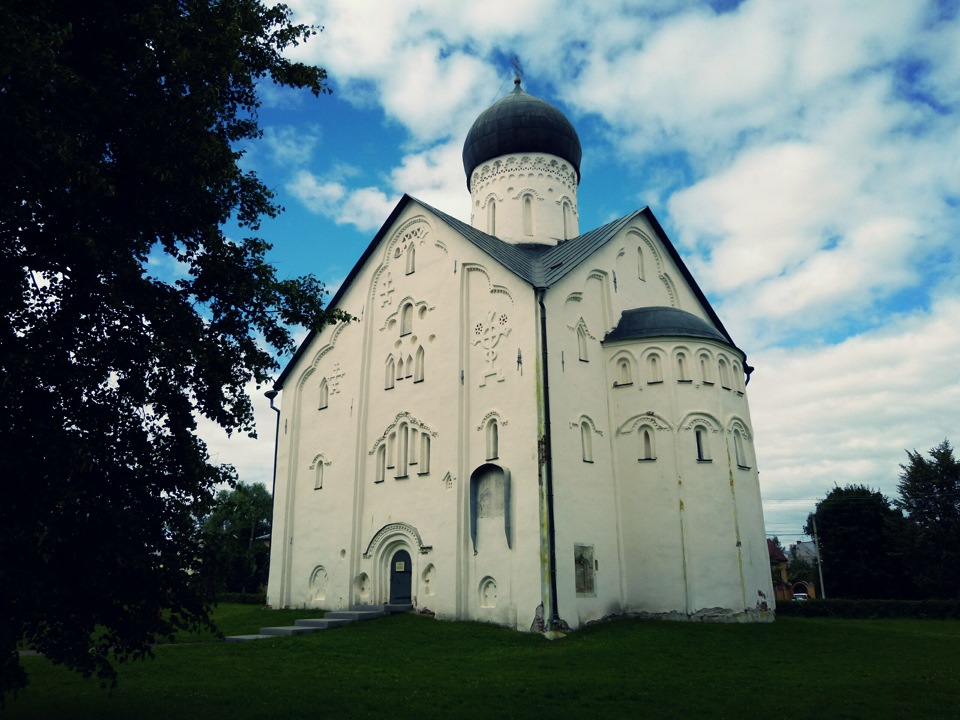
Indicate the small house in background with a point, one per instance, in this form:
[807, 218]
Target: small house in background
[778, 571]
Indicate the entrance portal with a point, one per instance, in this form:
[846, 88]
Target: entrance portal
[401, 578]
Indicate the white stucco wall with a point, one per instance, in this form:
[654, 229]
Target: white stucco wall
[547, 184]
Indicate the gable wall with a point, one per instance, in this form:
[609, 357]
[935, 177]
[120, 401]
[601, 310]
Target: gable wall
[471, 318]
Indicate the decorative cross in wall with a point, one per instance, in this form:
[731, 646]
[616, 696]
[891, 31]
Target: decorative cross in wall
[488, 332]
[387, 290]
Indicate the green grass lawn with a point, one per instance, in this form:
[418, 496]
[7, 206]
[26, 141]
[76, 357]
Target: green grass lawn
[416, 667]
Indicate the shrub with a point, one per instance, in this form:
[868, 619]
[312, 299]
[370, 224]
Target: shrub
[841, 608]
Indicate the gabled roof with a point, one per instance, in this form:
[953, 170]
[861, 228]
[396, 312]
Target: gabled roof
[776, 554]
[541, 266]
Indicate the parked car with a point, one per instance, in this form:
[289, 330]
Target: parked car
[800, 597]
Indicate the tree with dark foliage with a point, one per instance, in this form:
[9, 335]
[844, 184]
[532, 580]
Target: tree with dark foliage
[235, 559]
[119, 142]
[863, 541]
[930, 495]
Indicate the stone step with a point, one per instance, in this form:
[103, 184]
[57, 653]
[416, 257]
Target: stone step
[288, 630]
[323, 623]
[354, 615]
[398, 608]
[245, 638]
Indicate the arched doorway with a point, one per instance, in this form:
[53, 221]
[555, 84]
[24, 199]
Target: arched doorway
[401, 578]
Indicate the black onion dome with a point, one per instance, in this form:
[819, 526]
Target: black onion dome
[653, 322]
[520, 123]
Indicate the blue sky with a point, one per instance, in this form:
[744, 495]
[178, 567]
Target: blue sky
[804, 157]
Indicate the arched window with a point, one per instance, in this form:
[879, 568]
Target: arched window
[724, 374]
[647, 450]
[418, 366]
[391, 449]
[640, 274]
[492, 217]
[324, 395]
[653, 369]
[738, 449]
[527, 215]
[567, 220]
[703, 447]
[406, 319]
[705, 373]
[400, 368]
[389, 373]
[493, 439]
[318, 476]
[411, 259]
[409, 366]
[424, 467]
[682, 375]
[414, 446]
[402, 449]
[582, 344]
[586, 441]
[624, 374]
[381, 463]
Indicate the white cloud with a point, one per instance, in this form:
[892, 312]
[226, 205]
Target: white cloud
[365, 208]
[845, 413]
[436, 176]
[252, 457]
[289, 145]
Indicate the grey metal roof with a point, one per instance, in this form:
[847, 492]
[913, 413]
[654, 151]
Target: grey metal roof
[520, 123]
[651, 322]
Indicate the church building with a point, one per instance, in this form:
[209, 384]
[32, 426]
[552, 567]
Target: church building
[525, 424]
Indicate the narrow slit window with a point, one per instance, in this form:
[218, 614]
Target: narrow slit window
[492, 217]
[411, 259]
[402, 449]
[724, 374]
[424, 466]
[391, 449]
[586, 441]
[406, 319]
[738, 449]
[567, 220]
[646, 445]
[640, 263]
[527, 215]
[418, 366]
[400, 369]
[703, 449]
[414, 446]
[705, 370]
[493, 439]
[409, 366]
[682, 375]
[624, 376]
[582, 344]
[318, 476]
[381, 463]
[653, 367]
[391, 370]
[324, 395]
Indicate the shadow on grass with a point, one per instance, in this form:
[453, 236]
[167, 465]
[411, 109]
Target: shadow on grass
[408, 666]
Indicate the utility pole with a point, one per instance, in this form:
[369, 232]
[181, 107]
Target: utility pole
[816, 544]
